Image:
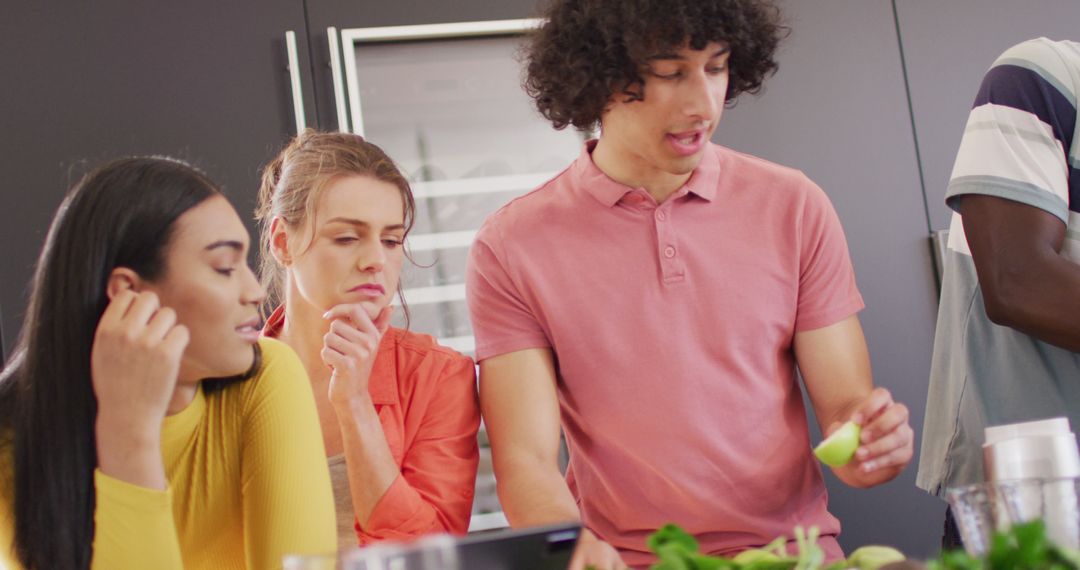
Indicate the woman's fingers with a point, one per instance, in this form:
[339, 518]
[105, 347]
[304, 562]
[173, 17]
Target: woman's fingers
[351, 333]
[160, 324]
[176, 340]
[382, 322]
[357, 353]
[141, 311]
[117, 308]
[351, 341]
[135, 359]
[357, 315]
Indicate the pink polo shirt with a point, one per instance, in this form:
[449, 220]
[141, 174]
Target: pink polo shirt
[672, 327]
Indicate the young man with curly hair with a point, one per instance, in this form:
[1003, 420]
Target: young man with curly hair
[657, 295]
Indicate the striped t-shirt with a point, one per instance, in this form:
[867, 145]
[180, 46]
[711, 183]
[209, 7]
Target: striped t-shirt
[1022, 143]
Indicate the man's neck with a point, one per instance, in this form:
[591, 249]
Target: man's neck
[625, 168]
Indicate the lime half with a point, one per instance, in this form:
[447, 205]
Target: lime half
[838, 449]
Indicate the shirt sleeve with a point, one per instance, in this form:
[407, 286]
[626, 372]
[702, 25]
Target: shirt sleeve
[501, 318]
[133, 526]
[827, 290]
[1017, 138]
[434, 492]
[288, 502]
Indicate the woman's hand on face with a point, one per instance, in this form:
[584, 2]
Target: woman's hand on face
[350, 348]
[135, 361]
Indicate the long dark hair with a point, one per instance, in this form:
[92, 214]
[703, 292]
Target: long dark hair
[119, 215]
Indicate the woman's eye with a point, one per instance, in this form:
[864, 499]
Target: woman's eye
[717, 70]
[226, 271]
[345, 239]
[672, 75]
[391, 243]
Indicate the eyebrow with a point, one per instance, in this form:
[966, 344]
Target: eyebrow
[361, 223]
[676, 56]
[230, 243]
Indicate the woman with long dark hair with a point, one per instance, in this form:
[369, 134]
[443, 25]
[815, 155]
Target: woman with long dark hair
[143, 423]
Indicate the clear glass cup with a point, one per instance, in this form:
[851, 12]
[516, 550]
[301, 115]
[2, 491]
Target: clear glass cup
[309, 562]
[1055, 501]
[384, 556]
[975, 510]
[437, 552]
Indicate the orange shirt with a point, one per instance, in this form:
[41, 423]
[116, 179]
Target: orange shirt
[425, 395]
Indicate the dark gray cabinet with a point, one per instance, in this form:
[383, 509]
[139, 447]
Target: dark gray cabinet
[837, 110]
[205, 81]
[948, 46]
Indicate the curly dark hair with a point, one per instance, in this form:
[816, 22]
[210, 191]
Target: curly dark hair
[588, 50]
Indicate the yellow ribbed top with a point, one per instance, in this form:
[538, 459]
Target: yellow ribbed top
[248, 483]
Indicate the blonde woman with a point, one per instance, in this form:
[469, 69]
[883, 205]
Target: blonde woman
[399, 413]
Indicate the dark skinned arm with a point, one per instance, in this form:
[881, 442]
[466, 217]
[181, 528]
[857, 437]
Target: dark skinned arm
[1027, 285]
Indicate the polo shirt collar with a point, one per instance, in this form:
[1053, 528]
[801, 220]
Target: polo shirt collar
[702, 182]
[382, 384]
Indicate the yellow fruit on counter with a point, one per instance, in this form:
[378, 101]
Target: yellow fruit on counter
[838, 449]
[874, 557]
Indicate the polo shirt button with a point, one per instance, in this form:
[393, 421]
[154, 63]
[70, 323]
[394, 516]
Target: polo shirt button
[669, 252]
[660, 215]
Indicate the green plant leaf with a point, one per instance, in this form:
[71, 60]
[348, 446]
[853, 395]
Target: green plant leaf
[672, 534]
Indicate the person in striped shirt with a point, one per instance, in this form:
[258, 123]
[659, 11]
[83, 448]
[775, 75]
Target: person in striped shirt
[1007, 347]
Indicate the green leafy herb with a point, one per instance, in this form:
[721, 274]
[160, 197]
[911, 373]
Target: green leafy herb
[671, 534]
[1024, 547]
[678, 550]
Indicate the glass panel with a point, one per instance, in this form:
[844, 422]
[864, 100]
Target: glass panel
[451, 112]
[442, 320]
[454, 108]
[433, 268]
